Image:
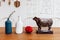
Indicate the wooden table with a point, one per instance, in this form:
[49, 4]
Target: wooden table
[32, 36]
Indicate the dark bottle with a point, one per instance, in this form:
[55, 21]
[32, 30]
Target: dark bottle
[8, 27]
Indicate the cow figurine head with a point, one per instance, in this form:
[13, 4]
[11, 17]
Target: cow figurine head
[36, 19]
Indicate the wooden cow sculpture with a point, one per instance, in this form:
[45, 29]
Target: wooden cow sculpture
[44, 22]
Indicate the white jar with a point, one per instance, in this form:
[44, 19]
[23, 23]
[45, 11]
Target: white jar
[19, 26]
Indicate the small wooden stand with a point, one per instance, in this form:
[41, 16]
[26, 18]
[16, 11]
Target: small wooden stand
[41, 32]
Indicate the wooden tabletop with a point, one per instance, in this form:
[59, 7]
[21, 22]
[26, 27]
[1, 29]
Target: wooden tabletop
[32, 36]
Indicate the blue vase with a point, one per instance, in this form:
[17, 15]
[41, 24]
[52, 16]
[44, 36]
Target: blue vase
[8, 27]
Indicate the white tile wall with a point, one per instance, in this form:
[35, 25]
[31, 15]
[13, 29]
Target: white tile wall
[31, 8]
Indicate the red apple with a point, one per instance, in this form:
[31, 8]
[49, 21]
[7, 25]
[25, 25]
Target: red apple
[28, 29]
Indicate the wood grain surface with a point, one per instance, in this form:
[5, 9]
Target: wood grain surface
[32, 36]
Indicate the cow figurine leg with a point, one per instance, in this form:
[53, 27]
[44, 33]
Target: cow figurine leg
[39, 28]
[49, 28]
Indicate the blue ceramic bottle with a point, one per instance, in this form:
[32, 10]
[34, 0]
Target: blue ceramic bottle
[8, 27]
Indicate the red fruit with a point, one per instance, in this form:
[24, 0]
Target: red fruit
[28, 29]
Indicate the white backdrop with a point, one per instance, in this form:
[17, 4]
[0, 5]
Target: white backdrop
[31, 8]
